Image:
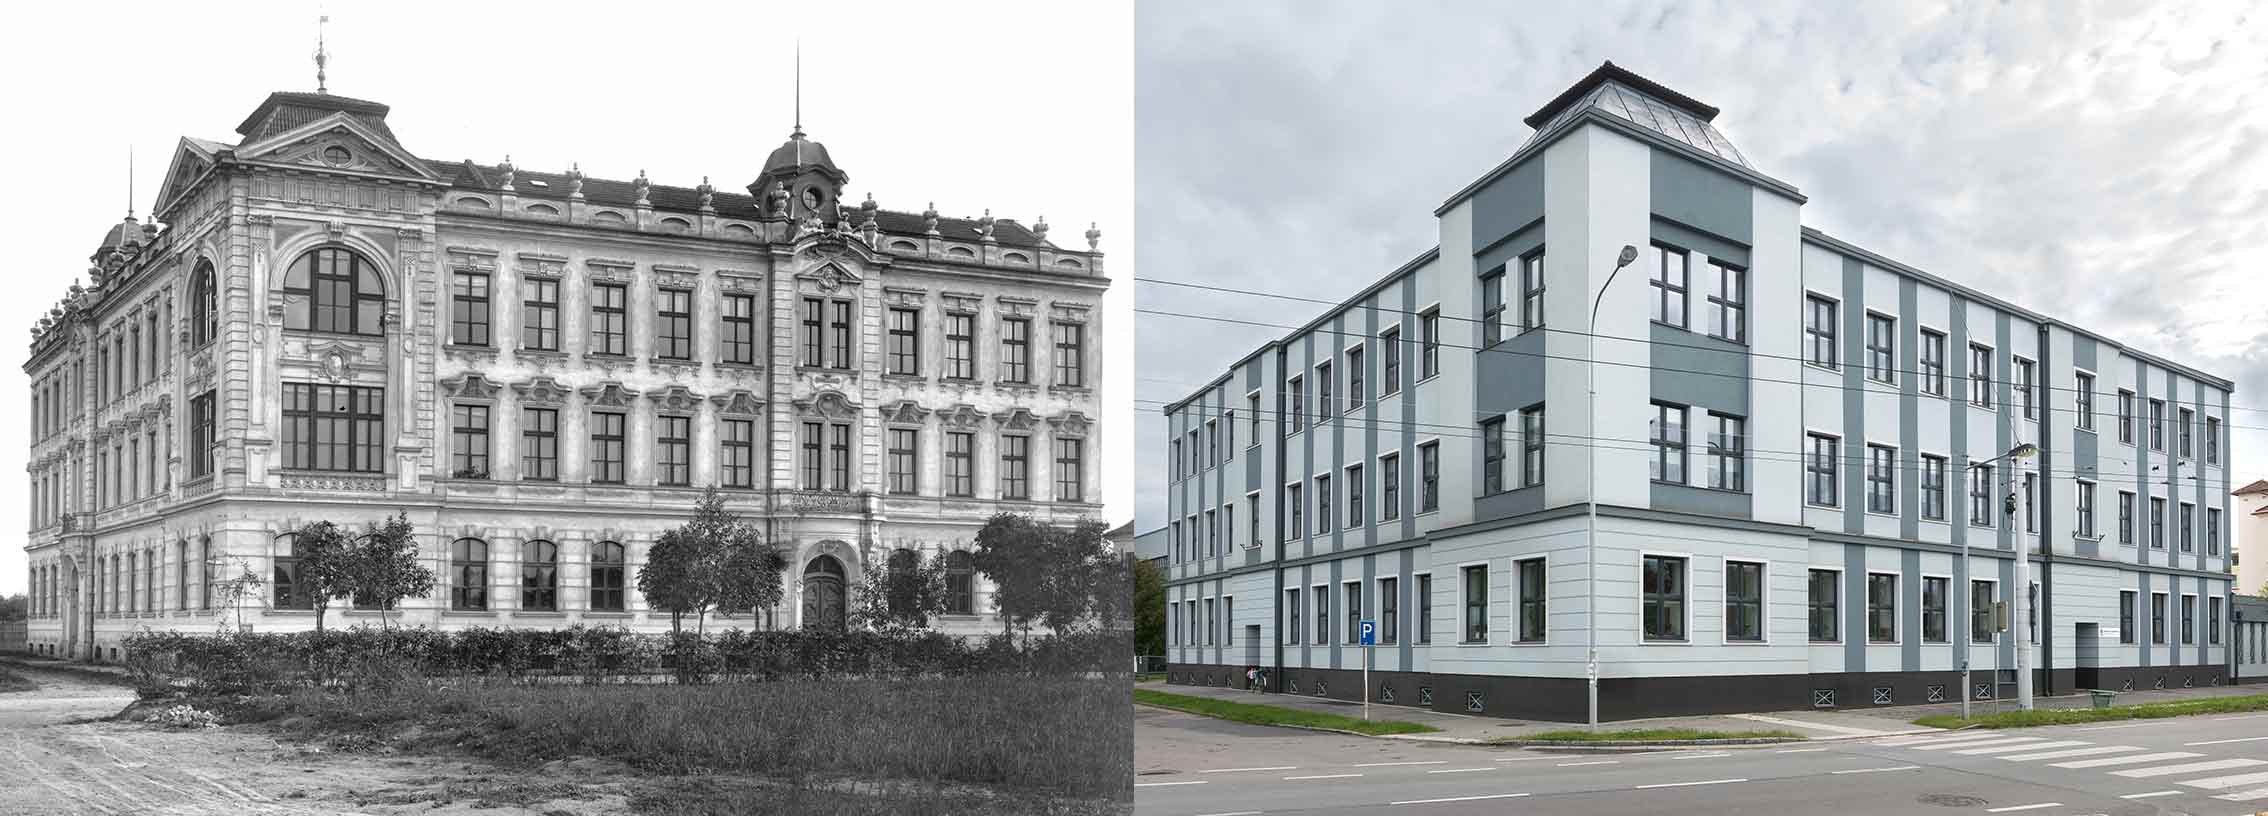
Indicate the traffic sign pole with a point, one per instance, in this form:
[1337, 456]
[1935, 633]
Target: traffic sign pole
[1368, 639]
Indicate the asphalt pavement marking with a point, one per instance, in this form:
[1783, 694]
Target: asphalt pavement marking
[2072, 752]
[2224, 741]
[1799, 750]
[1687, 784]
[1458, 799]
[2008, 749]
[1877, 770]
[2109, 727]
[1321, 776]
[1838, 729]
[1233, 813]
[1242, 770]
[2222, 782]
[2014, 808]
[2244, 796]
[1167, 784]
[1524, 759]
[2125, 760]
[1939, 746]
[1391, 764]
[2152, 794]
[2193, 767]
[1459, 770]
[1592, 762]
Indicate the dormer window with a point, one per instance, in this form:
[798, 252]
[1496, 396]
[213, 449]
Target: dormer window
[334, 290]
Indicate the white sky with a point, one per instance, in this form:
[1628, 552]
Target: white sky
[1025, 108]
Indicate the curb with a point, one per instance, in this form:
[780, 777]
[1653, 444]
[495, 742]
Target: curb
[1602, 746]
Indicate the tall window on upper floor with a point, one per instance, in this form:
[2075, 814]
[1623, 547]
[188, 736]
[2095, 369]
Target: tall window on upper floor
[1980, 375]
[1819, 331]
[1881, 479]
[903, 351]
[1492, 456]
[2158, 425]
[334, 290]
[839, 333]
[1015, 350]
[2212, 440]
[2025, 370]
[1669, 282]
[2126, 416]
[1821, 470]
[736, 445]
[468, 308]
[673, 450]
[2182, 430]
[607, 444]
[1296, 391]
[610, 323]
[1492, 307]
[607, 567]
[1070, 355]
[204, 305]
[539, 314]
[1325, 401]
[1932, 358]
[737, 329]
[1531, 292]
[334, 427]
[1728, 452]
[1015, 467]
[468, 441]
[1881, 348]
[1357, 389]
[1429, 325]
[1389, 489]
[1667, 433]
[539, 444]
[1070, 470]
[960, 463]
[1933, 487]
[201, 447]
[1532, 445]
[2086, 505]
[960, 346]
[673, 324]
[814, 329]
[1429, 477]
[2083, 396]
[1390, 371]
[904, 460]
[1727, 290]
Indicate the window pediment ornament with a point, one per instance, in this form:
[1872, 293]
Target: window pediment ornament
[672, 276]
[740, 281]
[738, 402]
[900, 296]
[472, 259]
[830, 277]
[542, 391]
[605, 270]
[470, 385]
[1068, 312]
[530, 264]
[609, 395]
[828, 404]
[964, 302]
[1016, 419]
[963, 416]
[1071, 424]
[675, 398]
[904, 413]
[1013, 306]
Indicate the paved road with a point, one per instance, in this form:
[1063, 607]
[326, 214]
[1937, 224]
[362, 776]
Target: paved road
[2208, 766]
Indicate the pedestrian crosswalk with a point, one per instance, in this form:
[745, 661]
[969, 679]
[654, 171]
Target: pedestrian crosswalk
[2230, 779]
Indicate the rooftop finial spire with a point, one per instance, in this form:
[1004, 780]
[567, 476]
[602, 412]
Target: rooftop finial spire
[322, 85]
[798, 88]
[129, 182]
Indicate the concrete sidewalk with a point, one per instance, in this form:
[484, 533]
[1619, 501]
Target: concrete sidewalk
[1812, 723]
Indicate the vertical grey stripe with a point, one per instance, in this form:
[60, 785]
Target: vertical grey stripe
[2007, 586]
[2142, 615]
[1957, 418]
[2004, 430]
[1334, 613]
[1405, 620]
[1372, 603]
[1910, 594]
[1909, 412]
[1370, 413]
[1854, 405]
[1408, 447]
[1854, 613]
[2196, 428]
[1338, 442]
[2142, 463]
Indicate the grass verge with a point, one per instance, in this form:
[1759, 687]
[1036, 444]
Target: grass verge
[2070, 716]
[11, 681]
[1650, 735]
[1257, 714]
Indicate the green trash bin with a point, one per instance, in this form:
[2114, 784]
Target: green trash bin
[2103, 699]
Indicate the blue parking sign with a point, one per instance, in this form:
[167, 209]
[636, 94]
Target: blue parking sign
[1369, 630]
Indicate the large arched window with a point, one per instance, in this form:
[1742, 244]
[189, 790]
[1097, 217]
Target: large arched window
[606, 577]
[204, 305]
[334, 290]
[539, 576]
[290, 592]
[468, 573]
[960, 584]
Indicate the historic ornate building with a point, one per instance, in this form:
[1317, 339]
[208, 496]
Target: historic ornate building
[544, 370]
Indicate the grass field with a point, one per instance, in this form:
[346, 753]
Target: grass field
[1257, 714]
[11, 681]
[1652, 735]
[2070, 716]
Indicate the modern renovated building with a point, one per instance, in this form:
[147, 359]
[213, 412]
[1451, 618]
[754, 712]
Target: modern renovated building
[544, 370]
[1779, 458]
[2250, 514]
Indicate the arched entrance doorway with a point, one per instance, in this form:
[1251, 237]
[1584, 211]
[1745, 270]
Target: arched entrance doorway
[823, 594]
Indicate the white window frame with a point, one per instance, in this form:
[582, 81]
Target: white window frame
[1921, 596]
[1866, 613]
[1252, 507]
[1487, 607]
[2182, 636]
[1763, 600]
[2083, 420]
[1353, 637]
[1841, 625]
[1378, 591]
[2093, 518]
[1322, 591]
[1994, 638]
[1517, 598]
[1228, 622]
[1638, 595]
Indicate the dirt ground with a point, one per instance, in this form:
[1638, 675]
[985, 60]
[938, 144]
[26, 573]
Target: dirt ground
[57, 758]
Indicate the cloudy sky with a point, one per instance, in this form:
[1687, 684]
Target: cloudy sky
[1024, 108]
[2103, 163]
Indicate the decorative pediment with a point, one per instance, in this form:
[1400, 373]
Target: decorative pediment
[472, 259]
[1012, 306]
[471, 385]
[1061, 312]
[673, 276]
[542, 391]
[190, 162]
[965, 302]
[609, 395]
[535, 265]
[1016, 419]
[738, 401]
[1069, 424]
[830, 277]
[904, 412]
[963, 416]
[740, 280]
[899, 296]
[675, 398]
[609, 271]
[829, 405]
[338, 142]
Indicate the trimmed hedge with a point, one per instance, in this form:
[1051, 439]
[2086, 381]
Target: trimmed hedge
[372, 657]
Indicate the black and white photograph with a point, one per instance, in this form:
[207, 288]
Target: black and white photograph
[524, 408]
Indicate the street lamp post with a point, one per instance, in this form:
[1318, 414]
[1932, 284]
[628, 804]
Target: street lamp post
[2019, 453]
[1591, 495]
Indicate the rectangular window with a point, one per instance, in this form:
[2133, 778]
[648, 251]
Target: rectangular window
[1324, 510]
[905, 462]
[1389, 611]
[606, 447]
[1982, 626]
[1669, 282]
[539, 314]
[2158, 425]
[1535, 597]
[539, 444]
[1932, 363]
[2086, 509]
[2126, 517]
[1980, 495]
[332, 427]
[737, 452]
[1295, 389]
[1356, 395]
[1826, 620]
[1015, 467]
[2181, 431]
[2188, 619]
[1429, 477]
[1390, 372]
[1070, 470]
[2157, 617]
[1881, 348]
[610, 323]
[1933, 487]
[2188, 512]
[1664, 598]
[960, 463]
[2031, 503]
[1425, 608]
[1322, 614]
[1492, 307]
[1819, 331]
[673, 450]
[1934, 608]
[468, 309]
[1390, 487]
[1744, 601]
[2212, 621]
[811, 465]
[1295, 505]
[2126, 416]
[1980, 376]
[737, 330]
[1492, 456]
[1356, 506]
[1881, 479]
[2212, 440]
[2083, 396]
[2024, 379]
[903, 350]
[1429, 352]
[2157, 523]
[1667, 433]
[1476, 604]
[1326, 403]
[1532, 445]
[2126, 600]
[1820, 471]
[201, 440]
[1291, 617]
[2212, 531]
[839, 334]
[838, 457]
[1015, 350]
[960, 346]
[1727, 291]
[673, 329]
[813, 330]
[1881, 608]
[1531, 292]
[1352, 590]
[1070, 355]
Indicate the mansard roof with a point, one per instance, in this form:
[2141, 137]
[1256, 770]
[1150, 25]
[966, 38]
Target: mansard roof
[1617, 92]
[285, 110]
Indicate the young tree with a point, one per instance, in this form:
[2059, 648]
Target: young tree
[385, 568]
[13, 607]
[901, 595]
[1149, 608]
[1012, 551]
[326, 564]
[1055, 576]
[713, 560]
